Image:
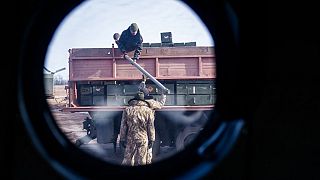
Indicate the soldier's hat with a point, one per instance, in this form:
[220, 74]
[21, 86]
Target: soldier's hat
[134, 27]
[140, 97]
[116, 36]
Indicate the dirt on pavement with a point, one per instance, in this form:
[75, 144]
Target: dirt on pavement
[69, 123]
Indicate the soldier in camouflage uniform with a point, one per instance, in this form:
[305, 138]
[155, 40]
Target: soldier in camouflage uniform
[154, 105]
[137, 131]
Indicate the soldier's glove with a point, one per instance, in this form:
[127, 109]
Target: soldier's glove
[124, 54]
[136, 55]
[123, 144]
[144, 78]
[116, 36]
[150, 144]
[165, 91]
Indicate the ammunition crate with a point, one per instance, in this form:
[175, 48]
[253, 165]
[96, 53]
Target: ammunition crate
[200, 89]
[98, 100]
[114, 89]
[166, 37]
[182, 89]
[86, 100]
[98, 90]
[155, 45]
[194, 100]
[199, 100]
[181, 100]
[130, 89]
[178, 44]
[145, 44]
[167, 44]
[190, 44]
[118, 100]
[85, 89]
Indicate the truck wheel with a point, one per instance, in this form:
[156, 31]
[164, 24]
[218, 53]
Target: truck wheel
[186, 136]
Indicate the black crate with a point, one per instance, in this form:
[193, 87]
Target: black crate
[199, 100]
[190, 44]
[118, 100]
[182, 89]
[167, 44]
[98, 100]
[86, 100]
[114, 101]
[145, 44]
[181, 100]
[155, 45]
[114, 89]
[130, 89]
[85, 90]
[166, 37]
[200, 89]
[98, 90]
[178, 44]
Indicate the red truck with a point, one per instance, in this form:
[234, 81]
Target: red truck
[101, 82]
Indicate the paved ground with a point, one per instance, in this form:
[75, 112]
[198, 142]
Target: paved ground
[71, 125]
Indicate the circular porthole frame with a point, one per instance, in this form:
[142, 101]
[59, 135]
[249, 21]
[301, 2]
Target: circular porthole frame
[195, 161]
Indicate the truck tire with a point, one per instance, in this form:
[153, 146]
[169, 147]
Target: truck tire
[186, 136]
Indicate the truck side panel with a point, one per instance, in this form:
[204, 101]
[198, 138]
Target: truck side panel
[162, 63]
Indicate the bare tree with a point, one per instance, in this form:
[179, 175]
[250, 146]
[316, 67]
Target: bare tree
[58, 80]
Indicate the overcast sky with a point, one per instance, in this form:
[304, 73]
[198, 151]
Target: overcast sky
[93, 23]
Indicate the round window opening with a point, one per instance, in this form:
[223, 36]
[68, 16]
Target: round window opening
[131, 82]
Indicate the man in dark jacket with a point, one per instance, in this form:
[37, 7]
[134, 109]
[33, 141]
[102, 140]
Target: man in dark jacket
[130, 40]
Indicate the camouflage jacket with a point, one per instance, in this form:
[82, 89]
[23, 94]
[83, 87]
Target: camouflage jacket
[157, 104]
[137, 122]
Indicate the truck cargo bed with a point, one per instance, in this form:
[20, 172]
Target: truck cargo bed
[90, 64]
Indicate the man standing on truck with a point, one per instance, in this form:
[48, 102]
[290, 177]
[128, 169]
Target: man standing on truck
[130, 40]
[137, 132]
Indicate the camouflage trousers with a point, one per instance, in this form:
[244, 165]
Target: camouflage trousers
[149, 156]
[135, 153]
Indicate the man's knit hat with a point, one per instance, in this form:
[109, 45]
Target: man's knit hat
[116, 36]
[134, 27]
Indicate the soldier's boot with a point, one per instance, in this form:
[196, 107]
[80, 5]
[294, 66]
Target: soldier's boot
[135, 57]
